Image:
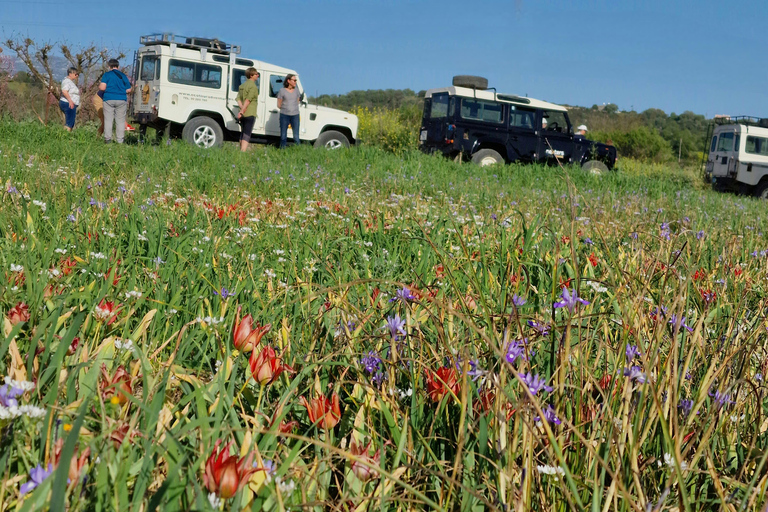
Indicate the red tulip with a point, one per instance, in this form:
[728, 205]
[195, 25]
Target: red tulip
[267, 367]
[360, 470]
[18, 313]
[442, 382]
[117, 387]
[244, 337]
[224, 473]
[76, 463]
[324, 412]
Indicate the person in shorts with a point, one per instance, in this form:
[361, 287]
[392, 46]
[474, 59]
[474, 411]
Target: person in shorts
[70, 98]
[116, 87]
[247, 100]
[288, 99]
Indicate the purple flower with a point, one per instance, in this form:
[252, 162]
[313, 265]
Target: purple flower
[379, 379]
[549, 415]
[700, 235]
[517, 300]
[36, 476]
[371, 362]
[515, 349]
[404, 295]
[635, 374]
[396, 326]
[534, 383]
[225, 294]
[569, 300]
[685, 406]
[588, 241]
[721, 399]
[679, 322]
[633, 235]
[632, 352]
[8, 395]
[541, 329]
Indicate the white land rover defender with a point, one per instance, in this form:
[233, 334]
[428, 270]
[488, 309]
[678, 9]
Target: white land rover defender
[738, 155]
[188, 86]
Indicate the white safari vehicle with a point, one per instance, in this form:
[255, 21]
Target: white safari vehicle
[188, 86]
[738, 155]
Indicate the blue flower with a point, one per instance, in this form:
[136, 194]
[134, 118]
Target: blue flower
[371, 362]
[517, 300]
[404, 295]
[515, 349]
[36, 476]
[632, 352]
[396, 326]
[8, 395]
[635, 374]
[225, 294]
[721, 399]
[549, 415]
[569, 300]
[700, 235]
[534, 383]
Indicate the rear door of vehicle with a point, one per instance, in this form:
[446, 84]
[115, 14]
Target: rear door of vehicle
[556, 141]
[523, 141]
[723, 152]
[147, 89]
[438, 116]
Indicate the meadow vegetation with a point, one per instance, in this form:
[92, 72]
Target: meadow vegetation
[361, 330]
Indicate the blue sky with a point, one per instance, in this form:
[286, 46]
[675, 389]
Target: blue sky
[705, 56]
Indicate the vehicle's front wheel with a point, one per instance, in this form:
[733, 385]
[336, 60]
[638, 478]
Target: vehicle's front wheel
[332, 140]
[595, 167]
[487, 157]
[203, 132]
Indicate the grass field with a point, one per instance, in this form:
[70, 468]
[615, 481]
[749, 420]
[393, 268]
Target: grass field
[422, 334]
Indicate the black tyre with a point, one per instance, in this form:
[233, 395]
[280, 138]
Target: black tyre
[761, 190]
[595, 167]
[473, 82]
[486, 157]
[203, 132]
[332, 140]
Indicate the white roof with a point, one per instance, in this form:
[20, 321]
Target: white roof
[193, 54]
[492, 96]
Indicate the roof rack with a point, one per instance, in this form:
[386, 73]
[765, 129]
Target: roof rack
[762, 122]
[195, 43]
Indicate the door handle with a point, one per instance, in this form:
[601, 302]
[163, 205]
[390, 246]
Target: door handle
[274, 111]
[513, 137]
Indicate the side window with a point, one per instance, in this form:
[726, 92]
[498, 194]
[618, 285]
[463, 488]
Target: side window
[757, 145]
[238, 79]
[521, 118]
[479, 110]
[713, 145]
[194, 73]
[725, 143]
[439, 106]
[554, 121]
[275, 84]
[150, 68]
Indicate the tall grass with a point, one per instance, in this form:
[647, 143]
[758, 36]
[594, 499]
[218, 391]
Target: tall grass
[423, 293]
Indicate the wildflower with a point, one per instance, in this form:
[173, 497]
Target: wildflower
[708, 296]
[588, 241]
[593, 259]
[17, 268]
[326, 413]
[361, 452]
[541, 329]
[9, 394]
[632, 352]
[286, 488]
[267, 367]
[678, 322]
[133, 294]
[18, 313]
[371, 362]
[555, 471]
[442, 382]
[514, 350]
[635, 374]
[569, 300]
[721, 399]
[549, 415]
[403, 295]
[476, 372]
[105, 312]
[685, 406]
[396, 326]
[225, 474]
[700, 235]
[517, 300]
[244, 337]
[37, 475]
[117, 387]
[126, 345]
[225, 294]
[76, 463]
[534, 383]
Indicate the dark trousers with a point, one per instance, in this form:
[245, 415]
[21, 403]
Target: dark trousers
[286, 120]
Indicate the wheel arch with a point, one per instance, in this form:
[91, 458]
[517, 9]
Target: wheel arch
[341, 129]
[495, 145]
[208, 113]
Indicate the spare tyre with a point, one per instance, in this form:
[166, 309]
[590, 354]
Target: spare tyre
[473, 82]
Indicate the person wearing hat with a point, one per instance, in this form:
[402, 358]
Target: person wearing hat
[581, 130]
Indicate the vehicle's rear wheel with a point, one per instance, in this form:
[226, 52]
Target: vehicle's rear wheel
[203, 132]
[473, 82]
[595, 167]
[332, 140]
[487, 157]
[761, 189]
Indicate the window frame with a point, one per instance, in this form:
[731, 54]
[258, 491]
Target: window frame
[513, 109]
[725, 136]
[763, 144]
[448, 105]
[155, 72]
[500, 122]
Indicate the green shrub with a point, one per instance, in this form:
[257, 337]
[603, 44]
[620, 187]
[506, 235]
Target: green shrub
[391, 130]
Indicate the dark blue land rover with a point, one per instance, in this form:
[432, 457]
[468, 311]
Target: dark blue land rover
[477, 124]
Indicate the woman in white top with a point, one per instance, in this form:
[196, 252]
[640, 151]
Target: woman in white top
[70, 98]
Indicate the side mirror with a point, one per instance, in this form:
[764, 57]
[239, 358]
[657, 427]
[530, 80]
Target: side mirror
[303, 99]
